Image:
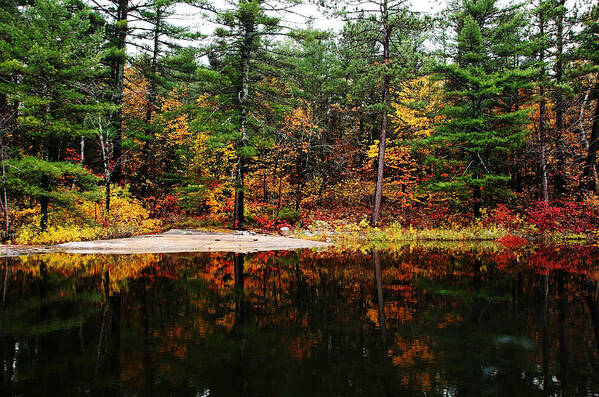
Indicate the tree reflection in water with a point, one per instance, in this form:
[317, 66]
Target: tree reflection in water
[442, 321]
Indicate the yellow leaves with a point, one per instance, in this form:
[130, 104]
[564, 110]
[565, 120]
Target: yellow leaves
[176, 129]
[205, 100]
[373, 150]
[60, 234]
[300, 122]
[414, 108]
[82, 221]
[135, 94]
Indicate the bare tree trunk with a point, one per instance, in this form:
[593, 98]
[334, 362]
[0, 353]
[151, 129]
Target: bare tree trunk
[107, 197]
[44, 209]
[543, 145]
[82, 151]
[589, 163]
[246, 53]
[583, 135]
[119, 73]
[378, 193]
[151, 97]
[559, 176]
[274, 183]
[542, 117]
[264, 187]
[298, 188]
[108, 173]
[4, 194]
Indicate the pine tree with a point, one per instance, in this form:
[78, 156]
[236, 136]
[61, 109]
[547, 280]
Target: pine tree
[388, 38]
[241, 53]
[51, 51]
[588, 54]
[117, 15]
[160, 41]
[479, 131]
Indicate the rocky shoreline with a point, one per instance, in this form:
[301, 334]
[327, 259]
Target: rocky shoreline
[172, 241]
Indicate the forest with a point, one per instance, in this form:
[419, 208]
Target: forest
[116, 120]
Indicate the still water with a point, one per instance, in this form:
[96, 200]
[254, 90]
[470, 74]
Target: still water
[459, 321]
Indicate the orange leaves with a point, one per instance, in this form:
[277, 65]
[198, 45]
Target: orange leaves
[135, 95]
[300, 121]
[415, 108]
[174, 120]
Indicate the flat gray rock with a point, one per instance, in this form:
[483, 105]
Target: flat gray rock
[176, 240]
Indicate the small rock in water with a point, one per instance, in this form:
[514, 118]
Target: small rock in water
[284, 231]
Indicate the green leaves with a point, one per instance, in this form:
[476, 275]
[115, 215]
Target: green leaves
[60, 181]
[479, 126]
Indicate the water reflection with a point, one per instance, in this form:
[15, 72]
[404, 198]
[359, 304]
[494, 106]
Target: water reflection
[418, 320]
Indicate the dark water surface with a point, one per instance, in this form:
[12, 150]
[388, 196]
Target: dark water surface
[419, 321]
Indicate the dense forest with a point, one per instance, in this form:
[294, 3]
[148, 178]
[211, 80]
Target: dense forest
[117, 120]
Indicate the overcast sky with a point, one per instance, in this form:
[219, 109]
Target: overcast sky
[189, 17]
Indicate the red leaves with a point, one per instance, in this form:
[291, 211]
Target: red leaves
[511, 241]
[73, 156]
[265, 223]
[562, 216]
[504, 216]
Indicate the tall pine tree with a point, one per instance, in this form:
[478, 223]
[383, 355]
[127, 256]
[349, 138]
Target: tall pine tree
[480, 127]
[51, 50]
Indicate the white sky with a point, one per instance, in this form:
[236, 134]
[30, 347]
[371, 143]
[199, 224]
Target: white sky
[188, 16]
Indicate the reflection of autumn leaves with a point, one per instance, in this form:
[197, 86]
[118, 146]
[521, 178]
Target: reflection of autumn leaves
[406, 352]
[119, 267]
[450, 319]
[284, 293]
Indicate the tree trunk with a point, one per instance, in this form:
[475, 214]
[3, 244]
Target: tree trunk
[378, 193]
[583, 137]
[107, 197]
[559, 175]
[82, 159]
[152, 95]
[118, 76]
[49, 154]
[542, 116]
[246, 53]
[4, 194]
[543, 145]
[44, 213]
[589, 164]
[238, 210]
[264, 187]
[298, 188]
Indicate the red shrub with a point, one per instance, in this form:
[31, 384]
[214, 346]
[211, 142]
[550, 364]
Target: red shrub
[562, 216]
[512, 241]
[504, 216]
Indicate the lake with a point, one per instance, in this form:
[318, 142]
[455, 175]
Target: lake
[435, 320]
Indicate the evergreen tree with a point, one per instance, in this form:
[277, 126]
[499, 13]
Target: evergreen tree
[161, 42]
[588, 54]
[241, 52]
[387, 37]
[117, 15]
[479, 131]
[317, 77]
[51, 50]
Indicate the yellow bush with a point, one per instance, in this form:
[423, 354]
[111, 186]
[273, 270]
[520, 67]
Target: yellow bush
[84, 221]
[61, 234]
